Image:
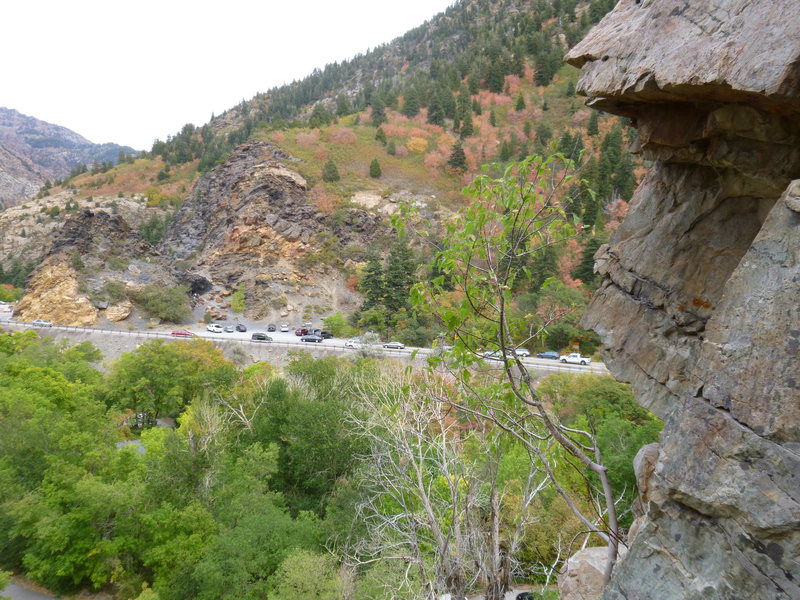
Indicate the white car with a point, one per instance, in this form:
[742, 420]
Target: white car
[214, 328]
[522, 352]
[394, 345]
[284, 328]
[575, 359]
[353, 343]
[41, 323]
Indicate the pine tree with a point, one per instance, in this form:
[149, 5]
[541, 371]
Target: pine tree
[374, 169]
[411, 103]
[520, 103]
[380, 135]
[458, 159]
[378, 112]
[467, 128]
[492, 119]
[585, 269]
[435, 111]
[391, 148]
[372, 284]
[476, 107]
[399, 275]
[343, 106]
[593, 127]
[329, 172]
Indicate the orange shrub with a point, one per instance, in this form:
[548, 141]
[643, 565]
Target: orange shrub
[344, 136]
[278, 137]
[435, 159]
[419, 133]
[512, 81]
[308, 139]
[321, 153]
[393, 130]
[324, 201]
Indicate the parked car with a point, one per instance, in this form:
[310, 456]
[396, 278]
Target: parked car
[394, 345]
[522, 352]
[284, 328]
[575, 358]
[260, 336]
[41, 323]
[182, 333]
[551, 354]
[241, 327]
[271, 327]
[229, 328]
[301, 331]
[311, 338]
[214, 328]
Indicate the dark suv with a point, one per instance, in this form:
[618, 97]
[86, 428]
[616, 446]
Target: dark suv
[260, 336]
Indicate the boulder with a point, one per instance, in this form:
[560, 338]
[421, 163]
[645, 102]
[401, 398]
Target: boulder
[582, 574]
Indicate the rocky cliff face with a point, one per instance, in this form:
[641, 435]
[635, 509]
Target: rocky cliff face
[249, 221]
[93, 248]
[699, 304]
[32, 151]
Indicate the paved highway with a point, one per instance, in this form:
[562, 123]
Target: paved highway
[290, 341]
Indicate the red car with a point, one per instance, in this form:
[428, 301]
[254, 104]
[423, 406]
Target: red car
[301, 331]
[182, 333]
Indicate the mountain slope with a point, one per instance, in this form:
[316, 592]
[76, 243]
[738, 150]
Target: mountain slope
[34, 151]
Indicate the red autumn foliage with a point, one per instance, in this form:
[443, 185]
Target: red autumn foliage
[419, 132]
[324, 201]
[308, 139]
[512, 81]
[401, 152]
[569, 259]
[344, 136]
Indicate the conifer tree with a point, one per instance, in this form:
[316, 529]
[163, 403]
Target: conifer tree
[458, 159]
[378, 111]
[492, 118]
[329, 172]
[593, 127]
[399, 275]
[372, 285]
[467, 128]
[411, 103]
[380, 135]
[374, 169]
[520, 103]
[391, 148]
[435, 111]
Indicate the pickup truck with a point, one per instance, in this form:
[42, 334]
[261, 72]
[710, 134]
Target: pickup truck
[575, 359]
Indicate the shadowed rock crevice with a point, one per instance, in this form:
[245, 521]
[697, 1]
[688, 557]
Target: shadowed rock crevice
[699, 308]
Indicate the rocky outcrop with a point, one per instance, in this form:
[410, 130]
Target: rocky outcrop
[698, 308]
[90, 251]
[249, 221]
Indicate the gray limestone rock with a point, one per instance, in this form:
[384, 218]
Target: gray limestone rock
[699, 307]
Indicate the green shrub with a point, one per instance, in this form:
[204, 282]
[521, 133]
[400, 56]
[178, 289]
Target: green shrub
[165, 303]
[237, 299]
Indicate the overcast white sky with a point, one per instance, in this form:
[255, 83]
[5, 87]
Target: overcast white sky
[131, 72]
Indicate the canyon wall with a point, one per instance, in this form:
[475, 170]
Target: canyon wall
[700, 303]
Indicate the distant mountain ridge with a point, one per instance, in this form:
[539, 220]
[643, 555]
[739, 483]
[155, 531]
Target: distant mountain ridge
[34, 151]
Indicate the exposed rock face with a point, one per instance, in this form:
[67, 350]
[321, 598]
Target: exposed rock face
[249, 220]
[91, 249]
[699, 304]
[582, 575]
